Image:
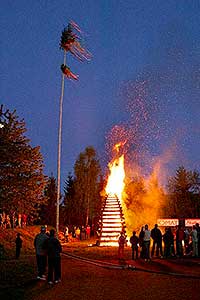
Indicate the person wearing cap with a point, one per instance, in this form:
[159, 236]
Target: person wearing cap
[41, 253]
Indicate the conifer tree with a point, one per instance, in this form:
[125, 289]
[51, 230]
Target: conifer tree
[68, 211]
[48, 210]
[21, 167]
[87, 182]
[184, 193]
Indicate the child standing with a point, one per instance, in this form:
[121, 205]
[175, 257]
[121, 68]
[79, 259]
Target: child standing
[18, 243]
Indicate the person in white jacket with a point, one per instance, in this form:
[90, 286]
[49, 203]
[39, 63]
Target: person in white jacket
[146, 239]
[194, 241]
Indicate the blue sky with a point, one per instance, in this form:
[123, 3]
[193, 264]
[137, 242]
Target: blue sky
[132, 42]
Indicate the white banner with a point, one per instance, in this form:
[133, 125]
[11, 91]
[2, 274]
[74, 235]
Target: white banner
[191, 222]
[167, 222]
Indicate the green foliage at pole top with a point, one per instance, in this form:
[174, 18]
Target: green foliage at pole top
[68, 36]
[72, 41]
[21, 167]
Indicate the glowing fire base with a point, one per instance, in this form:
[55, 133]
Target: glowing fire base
[112, 222]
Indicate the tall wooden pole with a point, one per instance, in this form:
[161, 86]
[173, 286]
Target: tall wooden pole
[59, 148]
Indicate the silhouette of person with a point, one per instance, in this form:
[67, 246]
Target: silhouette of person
[18, 243]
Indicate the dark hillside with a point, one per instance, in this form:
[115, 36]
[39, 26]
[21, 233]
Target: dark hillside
[8, 236]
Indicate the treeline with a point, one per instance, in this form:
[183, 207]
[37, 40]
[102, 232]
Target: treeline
[22, 180]
[183, 194]
[81, 201]
[147, 201]
[25, 190]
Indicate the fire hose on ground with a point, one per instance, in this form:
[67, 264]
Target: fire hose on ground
[107, 265]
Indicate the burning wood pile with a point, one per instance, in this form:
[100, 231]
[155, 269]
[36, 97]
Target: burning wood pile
[112, 219]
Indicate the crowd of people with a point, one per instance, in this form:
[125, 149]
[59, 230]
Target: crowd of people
[172, 243]
[13, 220]
[71, 233]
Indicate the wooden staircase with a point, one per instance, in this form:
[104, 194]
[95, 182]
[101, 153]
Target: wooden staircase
[112, 222]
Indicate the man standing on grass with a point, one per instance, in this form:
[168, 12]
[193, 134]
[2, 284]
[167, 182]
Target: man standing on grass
[18, 243]
[54, 261]
[41, 253]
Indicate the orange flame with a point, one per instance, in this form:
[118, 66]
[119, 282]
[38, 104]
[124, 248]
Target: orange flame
[115, 184]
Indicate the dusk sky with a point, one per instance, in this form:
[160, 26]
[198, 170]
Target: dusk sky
[143, 51]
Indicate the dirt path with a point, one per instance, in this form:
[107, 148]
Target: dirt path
[82, 281]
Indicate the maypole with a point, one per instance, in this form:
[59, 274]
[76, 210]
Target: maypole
[70, 42]
[59, 146]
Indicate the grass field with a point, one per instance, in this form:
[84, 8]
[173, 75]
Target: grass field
[8, 237]
[17, 272]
